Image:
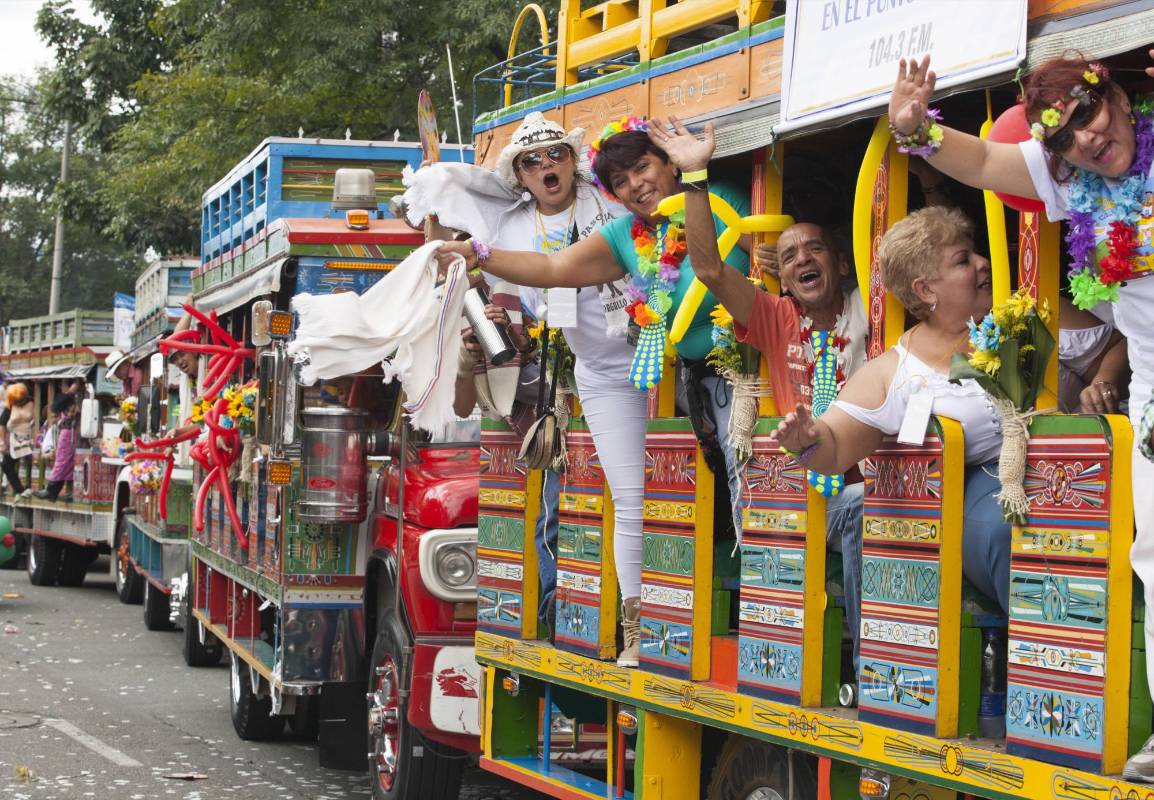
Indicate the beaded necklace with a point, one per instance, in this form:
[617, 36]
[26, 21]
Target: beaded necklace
[1092, 204]
[826, 375]
[650, 291]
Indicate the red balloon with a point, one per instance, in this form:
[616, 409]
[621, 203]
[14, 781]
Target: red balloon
[1012, 127]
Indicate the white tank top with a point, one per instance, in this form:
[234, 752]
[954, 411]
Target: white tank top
[966, 402]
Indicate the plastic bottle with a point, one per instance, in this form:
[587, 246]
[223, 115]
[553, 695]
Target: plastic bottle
[992, 705]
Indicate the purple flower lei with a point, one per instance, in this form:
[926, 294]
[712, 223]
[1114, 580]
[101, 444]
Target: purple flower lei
[1088, 187]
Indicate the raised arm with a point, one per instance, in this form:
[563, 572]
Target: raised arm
[691, 154]
[589, 262]
[975, 162]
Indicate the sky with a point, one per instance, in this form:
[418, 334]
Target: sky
[21, 49]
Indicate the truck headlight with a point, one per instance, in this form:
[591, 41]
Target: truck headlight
[454, 565]
[449, 564]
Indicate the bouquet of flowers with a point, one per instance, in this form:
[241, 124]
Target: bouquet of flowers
[559, 353]
[241, 405]
[127, 414]
[200, 407]
[1011, 348]
[737, 362]
[145, 477]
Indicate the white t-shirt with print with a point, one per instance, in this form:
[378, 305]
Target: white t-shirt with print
[602, 361]
[1135, 306]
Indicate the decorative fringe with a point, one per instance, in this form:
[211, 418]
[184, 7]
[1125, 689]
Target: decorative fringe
[746, 391]
[1012, 461]
[561, 411]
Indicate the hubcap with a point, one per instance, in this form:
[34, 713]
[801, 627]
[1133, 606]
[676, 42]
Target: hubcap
[33, 556]
[764, 793]
[234, 679]
[384, 722]
[122, 562]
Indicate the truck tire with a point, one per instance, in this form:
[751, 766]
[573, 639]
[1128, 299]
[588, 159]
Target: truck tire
[402, 765]
[43, 560]
[74, 564]
[196, 653]
[129, 583]
[156, 608]
[752, 770]
[252, 716]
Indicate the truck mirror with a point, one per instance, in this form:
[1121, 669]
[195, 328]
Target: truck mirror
[261, 334]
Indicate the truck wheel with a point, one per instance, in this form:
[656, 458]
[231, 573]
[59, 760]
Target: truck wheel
[753, 770]
[155, 609]
[196, 653]
[129, 583]
[251, 715]
[402, 766]
[74, 564]
[43, 560]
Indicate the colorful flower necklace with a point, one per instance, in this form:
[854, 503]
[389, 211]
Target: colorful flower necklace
[1091, 201]
[826, 375]
[650, 291]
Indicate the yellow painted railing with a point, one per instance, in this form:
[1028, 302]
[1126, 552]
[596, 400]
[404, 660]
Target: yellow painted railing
[617, 27]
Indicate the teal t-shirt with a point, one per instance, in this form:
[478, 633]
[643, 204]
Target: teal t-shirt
[698, 339]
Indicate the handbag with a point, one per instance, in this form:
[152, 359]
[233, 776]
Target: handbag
[542, 442]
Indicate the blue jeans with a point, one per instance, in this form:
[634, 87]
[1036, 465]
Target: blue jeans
[545, 539]
[843, 528]
[720, 394]
[985, 543]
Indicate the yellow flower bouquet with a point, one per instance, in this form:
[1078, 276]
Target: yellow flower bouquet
[1011, 348]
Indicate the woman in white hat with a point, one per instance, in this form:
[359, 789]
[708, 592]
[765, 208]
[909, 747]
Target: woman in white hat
[542, 199]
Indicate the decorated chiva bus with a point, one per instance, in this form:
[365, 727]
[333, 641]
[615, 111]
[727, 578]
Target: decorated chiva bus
[748, 681]
[330, 551]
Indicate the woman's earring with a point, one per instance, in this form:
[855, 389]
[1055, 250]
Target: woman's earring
[933, 307]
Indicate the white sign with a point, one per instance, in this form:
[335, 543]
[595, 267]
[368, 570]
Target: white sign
[841, 56]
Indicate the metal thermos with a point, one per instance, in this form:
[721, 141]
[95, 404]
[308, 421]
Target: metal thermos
[334, 476]
[494, 338]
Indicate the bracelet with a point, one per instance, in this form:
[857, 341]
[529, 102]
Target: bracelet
[803, 455]
[481, 250]
[695, 186]
[925, 141]
[697, 175]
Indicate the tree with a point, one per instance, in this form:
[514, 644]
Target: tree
[215, 77]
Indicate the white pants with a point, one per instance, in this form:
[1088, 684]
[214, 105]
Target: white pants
[617, 418]
[1142, 551]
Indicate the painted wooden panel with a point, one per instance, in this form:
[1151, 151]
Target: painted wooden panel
[701, 88]
[506, 560]
[586, 594]
[782, 578]
[765, 63]
[911, 583]
[596, 111]
[676, 553]
[1070, 597]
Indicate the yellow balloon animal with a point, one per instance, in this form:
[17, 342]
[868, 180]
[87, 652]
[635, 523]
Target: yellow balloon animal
[735, 226]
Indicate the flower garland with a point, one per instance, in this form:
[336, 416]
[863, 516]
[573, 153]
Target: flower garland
[650, 291]
[1091, 201]
[626, 123]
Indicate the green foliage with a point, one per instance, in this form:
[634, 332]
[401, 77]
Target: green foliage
[175, 93]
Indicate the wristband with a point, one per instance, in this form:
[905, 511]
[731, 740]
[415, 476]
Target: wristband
[481, 250]
[695, 186]
[925, 140]
[696, 176]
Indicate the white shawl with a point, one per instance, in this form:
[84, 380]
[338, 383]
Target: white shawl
[407, 322]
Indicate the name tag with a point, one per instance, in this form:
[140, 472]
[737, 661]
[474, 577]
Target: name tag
[917, 418]
[562, 308]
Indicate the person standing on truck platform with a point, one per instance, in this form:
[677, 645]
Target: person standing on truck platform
[16, 435]
[630, 170]
[814, 272]
[63, 408]
[1090, 160]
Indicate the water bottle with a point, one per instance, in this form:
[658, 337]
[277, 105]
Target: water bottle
[992, 705]
[494, 338]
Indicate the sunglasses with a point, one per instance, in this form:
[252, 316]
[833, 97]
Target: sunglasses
[1087, 110]
[531, 162]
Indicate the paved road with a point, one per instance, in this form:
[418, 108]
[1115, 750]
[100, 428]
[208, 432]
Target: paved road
[93, 705]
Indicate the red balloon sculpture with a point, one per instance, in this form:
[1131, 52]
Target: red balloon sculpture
[1012, 127]
[217, 453]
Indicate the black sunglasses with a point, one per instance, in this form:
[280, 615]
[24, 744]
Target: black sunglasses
[531, 162]
[1087, 110]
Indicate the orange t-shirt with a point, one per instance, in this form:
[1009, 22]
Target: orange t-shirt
[775, 329]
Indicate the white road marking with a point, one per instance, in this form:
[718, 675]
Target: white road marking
[92, 743]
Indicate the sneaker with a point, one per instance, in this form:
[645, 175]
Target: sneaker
[1140, 766]
[27, 492]
[630, 632]
[42, 494]
[65, 498]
